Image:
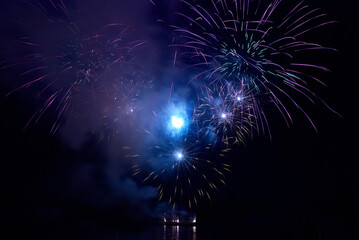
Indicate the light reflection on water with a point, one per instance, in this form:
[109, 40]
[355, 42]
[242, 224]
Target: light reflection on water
[154, 232]
[179, 233]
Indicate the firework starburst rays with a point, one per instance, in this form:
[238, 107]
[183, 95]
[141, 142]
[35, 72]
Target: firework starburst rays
[183, 170]
[227, 113]
[250, 42]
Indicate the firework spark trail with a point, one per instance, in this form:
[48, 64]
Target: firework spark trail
[70, 62]
[244, 42]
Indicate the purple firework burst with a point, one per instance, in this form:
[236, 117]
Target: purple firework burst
[255, 44]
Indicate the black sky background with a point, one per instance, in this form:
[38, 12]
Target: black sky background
[301, 184]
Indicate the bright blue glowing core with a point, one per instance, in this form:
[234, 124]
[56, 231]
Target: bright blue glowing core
[177, 122]
[179, 156]
[223, 116]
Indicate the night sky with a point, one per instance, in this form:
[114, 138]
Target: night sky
[300, 184]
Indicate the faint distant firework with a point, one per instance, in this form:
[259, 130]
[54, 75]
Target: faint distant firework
[118, 105]
[261, 44]
[63, 58]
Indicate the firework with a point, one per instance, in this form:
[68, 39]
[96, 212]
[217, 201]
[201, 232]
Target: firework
[70, 60]
[173, 156]
[252, 42]
[172, 121]
[227, 113]
[185, 170]
[118, 105]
